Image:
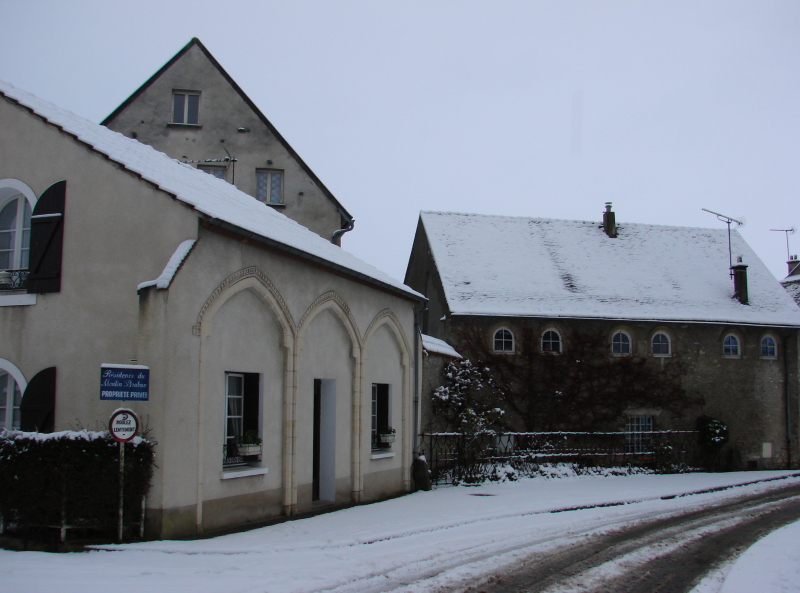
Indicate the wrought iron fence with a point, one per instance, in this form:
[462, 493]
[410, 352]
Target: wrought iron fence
[457, 458]
[13, 279]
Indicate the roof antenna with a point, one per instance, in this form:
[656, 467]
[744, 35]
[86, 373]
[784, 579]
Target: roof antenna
[788, 232]
[727, 220]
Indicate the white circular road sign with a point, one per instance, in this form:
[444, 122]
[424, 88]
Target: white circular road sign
[124, 425]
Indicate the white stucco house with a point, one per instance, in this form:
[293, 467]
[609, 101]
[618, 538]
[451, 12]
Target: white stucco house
[115, 255]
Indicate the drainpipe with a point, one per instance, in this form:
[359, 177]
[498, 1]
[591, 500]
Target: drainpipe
[336, 239]
[417, 337]
[786, 396]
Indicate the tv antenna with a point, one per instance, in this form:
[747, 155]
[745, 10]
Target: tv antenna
[788, 232]
[727, 220]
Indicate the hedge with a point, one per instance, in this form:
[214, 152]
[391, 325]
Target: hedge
[70, 480]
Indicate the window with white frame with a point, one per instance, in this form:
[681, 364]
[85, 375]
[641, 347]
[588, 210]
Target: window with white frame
[10, 401]
[621, 344]
[381, 426]
[730, 346]
[638, 434]
[218, 172]
[15, 232]
[269, 186]
[768, 347]
[661, 345]
[242, 419]
[551, 342]
[503, 340]
[186, 107]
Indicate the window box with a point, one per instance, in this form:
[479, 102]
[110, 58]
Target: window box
[249, 450]
[386, 439]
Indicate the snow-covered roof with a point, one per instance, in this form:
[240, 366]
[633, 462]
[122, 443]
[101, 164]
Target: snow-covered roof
[792, 286]
[533, 267]
[431, 344]
[208, 195]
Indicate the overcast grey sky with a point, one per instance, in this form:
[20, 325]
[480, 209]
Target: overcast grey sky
[537, 108]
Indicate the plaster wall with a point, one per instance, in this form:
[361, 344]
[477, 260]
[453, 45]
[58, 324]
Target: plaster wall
[232, 307]
[222, 113]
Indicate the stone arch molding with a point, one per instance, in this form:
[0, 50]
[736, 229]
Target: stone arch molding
[248, 278]
[390, 320]
[334, 303]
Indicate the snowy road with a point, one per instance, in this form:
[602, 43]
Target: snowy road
[442, 540]
[668, 555]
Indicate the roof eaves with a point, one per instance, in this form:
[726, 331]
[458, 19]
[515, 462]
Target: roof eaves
[611, 318]
[342, 270]
[195, 41]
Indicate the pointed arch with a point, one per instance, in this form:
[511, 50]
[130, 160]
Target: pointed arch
[256, 280]
[330, 301]
[390, 320]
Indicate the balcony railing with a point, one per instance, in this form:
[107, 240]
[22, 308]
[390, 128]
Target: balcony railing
[13, 279]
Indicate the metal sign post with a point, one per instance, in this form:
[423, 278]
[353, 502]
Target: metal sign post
[123, 426]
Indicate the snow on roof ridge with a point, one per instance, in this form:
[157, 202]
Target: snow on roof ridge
[598, 223]
[206, 194]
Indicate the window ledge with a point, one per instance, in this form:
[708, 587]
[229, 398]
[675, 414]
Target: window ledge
[381, 454]
[174, 125]
[15, 299]
[243, 472]
[275, 204]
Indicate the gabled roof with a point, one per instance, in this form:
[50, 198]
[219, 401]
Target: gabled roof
[197, 43]
[534, 267]
[217, 201]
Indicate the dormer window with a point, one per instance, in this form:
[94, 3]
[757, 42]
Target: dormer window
[186, 107]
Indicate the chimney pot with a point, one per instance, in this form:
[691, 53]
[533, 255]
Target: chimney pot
[609, 221]
[740, 281]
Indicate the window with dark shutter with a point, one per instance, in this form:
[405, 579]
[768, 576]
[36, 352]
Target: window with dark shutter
[47, 237]
[38, 409]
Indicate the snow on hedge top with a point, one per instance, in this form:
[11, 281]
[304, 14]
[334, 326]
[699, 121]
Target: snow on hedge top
[511, 266]
[207, 194]
[431, 344]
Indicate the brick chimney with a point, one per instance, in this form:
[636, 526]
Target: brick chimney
[609, 222]
[794, 266]
[740, 281]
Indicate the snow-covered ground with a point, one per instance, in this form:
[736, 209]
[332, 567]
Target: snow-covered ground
[413, 543]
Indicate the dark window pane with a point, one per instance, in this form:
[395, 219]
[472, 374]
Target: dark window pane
[193, 110]
[177, 108]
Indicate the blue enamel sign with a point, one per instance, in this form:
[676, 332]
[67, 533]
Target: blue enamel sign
[125, 381]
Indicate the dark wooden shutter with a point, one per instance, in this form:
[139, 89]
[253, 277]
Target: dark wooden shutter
[38, 408]
[47, 237]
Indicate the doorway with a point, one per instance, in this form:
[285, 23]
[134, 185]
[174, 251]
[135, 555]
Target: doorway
[323, 484]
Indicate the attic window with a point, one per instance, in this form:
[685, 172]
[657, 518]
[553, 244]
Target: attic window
[218, 172]
[269, 186]
[186, 107]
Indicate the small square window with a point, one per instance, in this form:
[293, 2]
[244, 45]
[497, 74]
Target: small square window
[218, 172]
[269, 186]
[638, 434]
[186, 107]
